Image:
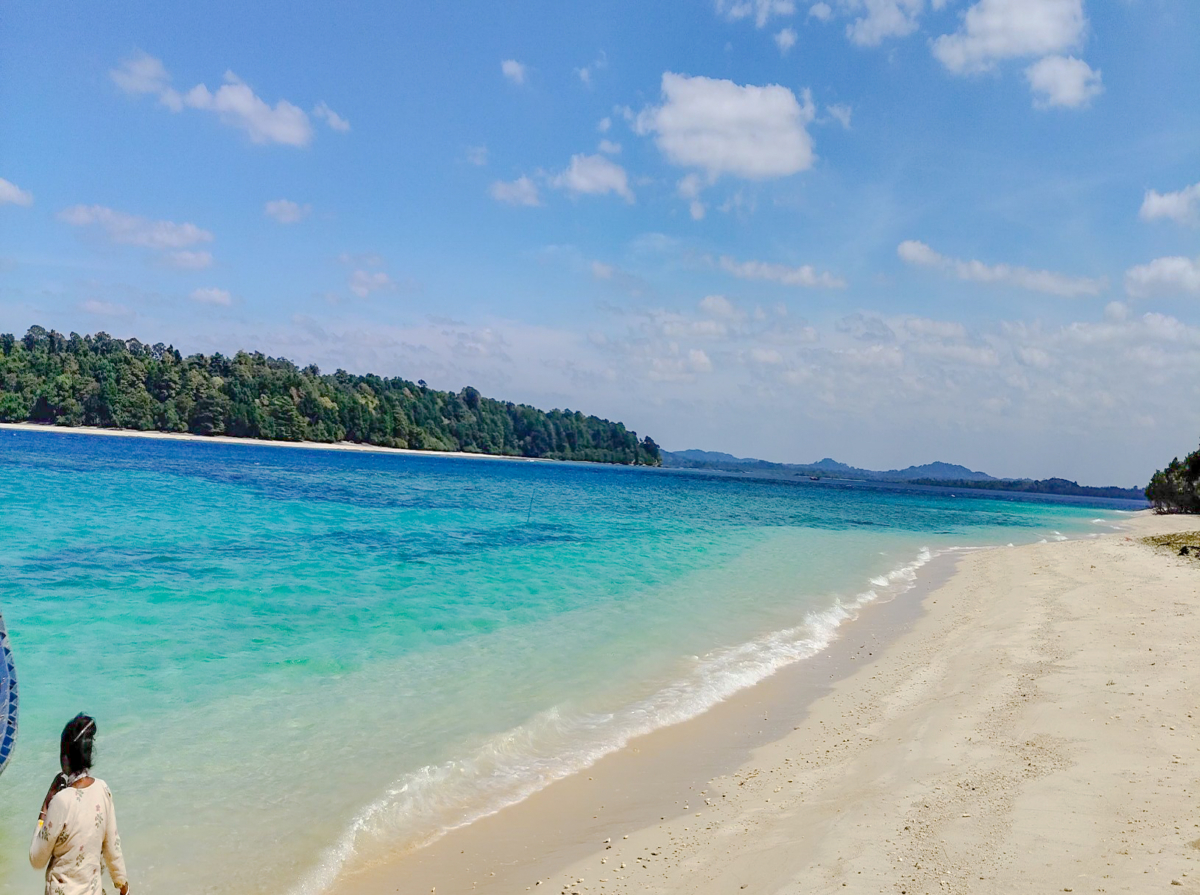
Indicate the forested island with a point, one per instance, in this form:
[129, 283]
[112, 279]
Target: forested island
[98, 380]
[1063, 487]
[937, 474]
[1176, 489]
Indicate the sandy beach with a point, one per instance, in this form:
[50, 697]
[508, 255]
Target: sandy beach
[1029, 727]
[226, 439]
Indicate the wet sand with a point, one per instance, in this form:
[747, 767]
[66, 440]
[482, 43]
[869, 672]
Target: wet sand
[1027, 726]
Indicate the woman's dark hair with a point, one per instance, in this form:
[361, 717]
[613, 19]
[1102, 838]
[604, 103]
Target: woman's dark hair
[78, 738]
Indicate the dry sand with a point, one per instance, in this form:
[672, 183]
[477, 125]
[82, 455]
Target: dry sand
[1035, 730]
[226, 439]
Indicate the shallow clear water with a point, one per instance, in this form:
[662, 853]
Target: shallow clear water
[298, 658]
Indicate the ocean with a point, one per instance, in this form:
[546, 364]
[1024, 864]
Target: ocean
[300, 659]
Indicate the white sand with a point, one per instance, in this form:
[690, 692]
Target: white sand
[225, 439]
[1035, 732]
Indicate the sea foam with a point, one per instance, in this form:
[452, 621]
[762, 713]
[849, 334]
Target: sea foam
[424, 805]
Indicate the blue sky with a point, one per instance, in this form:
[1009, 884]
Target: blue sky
[889, 231]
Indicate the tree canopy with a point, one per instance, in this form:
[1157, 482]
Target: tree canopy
[98, 380]
[1176, 489]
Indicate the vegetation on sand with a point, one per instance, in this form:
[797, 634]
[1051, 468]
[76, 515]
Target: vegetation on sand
[1176, 489]
[98, 380]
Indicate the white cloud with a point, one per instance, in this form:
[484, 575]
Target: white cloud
[768, 356]
[360, 259]
[603, 125]
[521, 191]
[761, 10]
[1164, 276]
[1182, 207]
[882, 19]
[1003, 29]
[609, 147]
[212, 296]
[918, 253]
[142, 74]
[724, 128]
[805, 275]
[915, 252]
[183, 259]
[1116, 312]
[513, 70]
[128, 229]
[720, 306]
[840, 113]
[333, 119]
[1063, 81]
[238, 106]
[785, 40]
[594, 175]
[286, 211]
[11, 194]
[689, 186]
[364, 282]
[585, 73]
[822, 12]
[602, 271]
[699, 361]
[477, 155]
[105, 308]
[233, 102]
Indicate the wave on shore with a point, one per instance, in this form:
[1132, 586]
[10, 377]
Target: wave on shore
[426, 804]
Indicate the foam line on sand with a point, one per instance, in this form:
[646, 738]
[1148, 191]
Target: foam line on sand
[1036, 730]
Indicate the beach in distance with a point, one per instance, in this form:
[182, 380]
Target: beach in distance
[228, 439]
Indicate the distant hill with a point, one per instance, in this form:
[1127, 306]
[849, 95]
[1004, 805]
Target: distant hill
[1042, 486]
[695, 456]
[937, 473]
[697, 459]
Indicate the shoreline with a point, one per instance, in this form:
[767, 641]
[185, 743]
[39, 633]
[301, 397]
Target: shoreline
[304, 445]
[892, 771]
[514, 846]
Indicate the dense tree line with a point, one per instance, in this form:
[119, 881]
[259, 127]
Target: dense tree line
[98, 380]
[1035, 486]
[1176, 489]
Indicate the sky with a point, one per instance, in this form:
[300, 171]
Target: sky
[886, 231]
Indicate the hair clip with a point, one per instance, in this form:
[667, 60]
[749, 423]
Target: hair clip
[82, 732]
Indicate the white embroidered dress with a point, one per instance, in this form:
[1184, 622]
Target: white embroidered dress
[80, 827]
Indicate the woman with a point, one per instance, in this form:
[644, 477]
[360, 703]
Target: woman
[78, 824]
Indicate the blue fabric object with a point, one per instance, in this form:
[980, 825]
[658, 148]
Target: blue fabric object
[8, 699]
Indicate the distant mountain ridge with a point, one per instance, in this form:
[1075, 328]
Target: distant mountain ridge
[697, 459]
[937, 473]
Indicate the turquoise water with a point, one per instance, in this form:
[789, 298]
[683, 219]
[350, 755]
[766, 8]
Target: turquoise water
[302, 659]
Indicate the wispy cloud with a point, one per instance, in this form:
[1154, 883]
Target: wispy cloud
[1174, 275]
[286, 211]
[128, 229]
[1181, 206]
[11, 194]
[921, 255]
[233, 102]
[521, 191]
[513, 70]
[594, 175]
[805, 276]
[212, 296]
